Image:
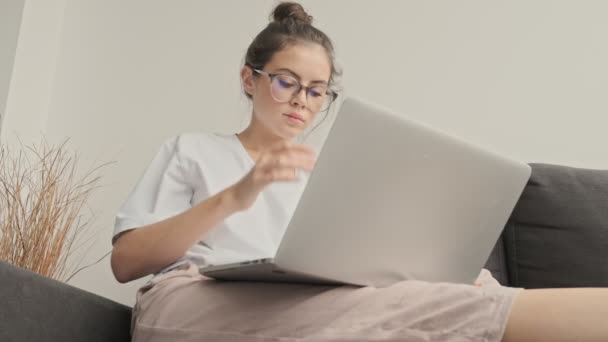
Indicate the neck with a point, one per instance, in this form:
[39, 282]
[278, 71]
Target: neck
[256, 138]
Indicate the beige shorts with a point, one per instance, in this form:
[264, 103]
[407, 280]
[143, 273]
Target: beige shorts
[182, 305]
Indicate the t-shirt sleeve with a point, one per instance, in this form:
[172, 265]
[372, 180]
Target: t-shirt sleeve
[163, 191]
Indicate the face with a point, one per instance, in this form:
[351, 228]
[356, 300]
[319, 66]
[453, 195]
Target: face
[306, 62]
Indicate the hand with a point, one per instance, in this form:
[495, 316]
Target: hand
[277, 164]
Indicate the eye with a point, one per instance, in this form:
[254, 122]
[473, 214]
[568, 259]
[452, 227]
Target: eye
[285, 83]
[316, 92]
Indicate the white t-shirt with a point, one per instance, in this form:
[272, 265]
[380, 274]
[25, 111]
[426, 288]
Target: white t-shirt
[191, 167]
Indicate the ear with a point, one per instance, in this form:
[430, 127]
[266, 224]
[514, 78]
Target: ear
[247, 80]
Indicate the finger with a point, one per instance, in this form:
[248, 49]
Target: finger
[294, 160]
[284, 174]
[282, 146]
[287, 159]
[285, 146]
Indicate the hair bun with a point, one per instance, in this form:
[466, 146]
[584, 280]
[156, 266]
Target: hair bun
[291, 11]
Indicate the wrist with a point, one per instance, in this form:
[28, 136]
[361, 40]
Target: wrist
[227, 200]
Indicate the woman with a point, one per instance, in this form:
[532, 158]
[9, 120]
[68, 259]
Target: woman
[214, 198]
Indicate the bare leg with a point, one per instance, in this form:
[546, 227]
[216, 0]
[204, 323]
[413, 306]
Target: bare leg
[577, 314]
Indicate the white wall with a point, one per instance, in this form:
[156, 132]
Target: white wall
[31, 83]
[10, 21]
[524, 78]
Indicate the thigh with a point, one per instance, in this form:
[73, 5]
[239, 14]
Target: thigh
[189, 307]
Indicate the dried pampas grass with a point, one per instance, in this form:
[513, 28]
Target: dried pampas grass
[42, 198]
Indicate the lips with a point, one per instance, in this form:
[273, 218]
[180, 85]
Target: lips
[296, 116]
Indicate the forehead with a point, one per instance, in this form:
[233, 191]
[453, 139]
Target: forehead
[308, 60]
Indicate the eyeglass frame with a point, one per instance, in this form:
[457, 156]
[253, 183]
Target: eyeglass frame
[333, 94]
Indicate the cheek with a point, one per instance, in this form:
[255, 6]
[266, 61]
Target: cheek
[313, 117]
[265, 107]
[270, 104]
[263, 96]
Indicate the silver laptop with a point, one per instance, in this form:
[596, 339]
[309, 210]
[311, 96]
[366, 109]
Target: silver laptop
[389, 200]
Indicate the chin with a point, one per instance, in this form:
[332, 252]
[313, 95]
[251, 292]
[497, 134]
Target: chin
[290, 134]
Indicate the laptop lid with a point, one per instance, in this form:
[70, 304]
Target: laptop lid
[391, 199]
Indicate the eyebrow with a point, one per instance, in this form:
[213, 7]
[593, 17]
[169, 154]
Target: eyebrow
[298, 76]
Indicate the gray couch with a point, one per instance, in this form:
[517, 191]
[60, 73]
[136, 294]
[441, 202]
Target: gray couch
[557, 236]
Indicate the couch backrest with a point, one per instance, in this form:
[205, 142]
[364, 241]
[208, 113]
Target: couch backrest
[557, 235]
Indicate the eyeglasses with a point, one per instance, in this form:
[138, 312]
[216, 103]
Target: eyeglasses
[284, 87]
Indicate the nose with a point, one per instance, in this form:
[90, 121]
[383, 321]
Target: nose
[299, 98]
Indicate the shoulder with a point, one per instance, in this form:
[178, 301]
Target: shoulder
[194, 145]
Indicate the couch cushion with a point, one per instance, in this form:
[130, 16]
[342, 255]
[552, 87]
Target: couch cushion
[557, 235]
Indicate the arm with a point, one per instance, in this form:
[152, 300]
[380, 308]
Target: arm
[148, 249]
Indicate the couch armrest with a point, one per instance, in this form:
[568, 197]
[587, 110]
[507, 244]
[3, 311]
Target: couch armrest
[36, 308]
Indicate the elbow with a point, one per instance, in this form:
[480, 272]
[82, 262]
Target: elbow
[119, 267]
